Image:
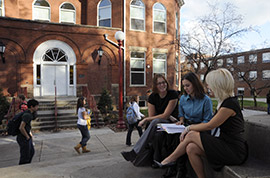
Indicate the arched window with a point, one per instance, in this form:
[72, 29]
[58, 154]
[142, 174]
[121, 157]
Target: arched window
[105, 13]
[55, 55]
[159, 18]
[2, 8]
[67, 13]
[41, 10]
[137, 15]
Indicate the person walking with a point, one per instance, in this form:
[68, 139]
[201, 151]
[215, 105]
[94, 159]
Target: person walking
[161, 104]
[133, 101]
[83, 116]
[23, 103]
[230, 147]
[268, 102]
[25, 137]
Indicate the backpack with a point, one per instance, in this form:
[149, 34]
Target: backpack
[131, 115]
[14, 124]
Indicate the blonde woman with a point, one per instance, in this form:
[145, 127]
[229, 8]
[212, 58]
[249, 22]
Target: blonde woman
[230, 147]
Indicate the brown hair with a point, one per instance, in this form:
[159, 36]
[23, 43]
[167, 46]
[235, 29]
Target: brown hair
[80, 103]
[196, 83]
[154, 87]
[133, 98]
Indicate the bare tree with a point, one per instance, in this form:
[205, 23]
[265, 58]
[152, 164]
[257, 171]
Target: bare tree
[215, 34]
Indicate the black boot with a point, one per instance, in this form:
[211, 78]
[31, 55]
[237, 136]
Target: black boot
[129, 155]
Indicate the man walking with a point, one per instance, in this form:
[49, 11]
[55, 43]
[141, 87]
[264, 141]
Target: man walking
[24, 138]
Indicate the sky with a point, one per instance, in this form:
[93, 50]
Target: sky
[255, 13]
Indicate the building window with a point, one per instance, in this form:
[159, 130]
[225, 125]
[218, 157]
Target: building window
[201, 77]
[176, 25]
[71, 70]
[159, 17]
[137, 15]
[38, 75]
[2, 8]
[137, 68]
[41, 10]
[266, 74]
[159, 63]
[241, 76]
[105, 13]
[253, 75]
[240, 91]
[67, 13]
[252, 58]
[266, 57]
[55, 55]
[177, 69]
[229, 61]
[220, 62]
[202, 65]
[240, 60]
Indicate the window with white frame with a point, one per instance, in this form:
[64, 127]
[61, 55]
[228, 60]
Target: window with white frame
[160, 63]
[241, 75]
[266, 74]
[137, 15]
[176, 25]
[41, 10]
[67, 13]
[105, 13]
[252, 75]
[159, 18]
[2, 8]
[252, 58]
[177, 69]
[195, 65]
[201, 77]
[220, 62]
[266, 57]
[137, 68]
[240, 59]
[240, 91]
[229, 61]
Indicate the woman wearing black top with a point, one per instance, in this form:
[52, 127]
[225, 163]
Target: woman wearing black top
[230, 147]
[161, 104]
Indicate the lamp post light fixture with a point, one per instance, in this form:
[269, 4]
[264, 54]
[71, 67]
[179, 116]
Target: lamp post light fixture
[100, 53]
[2, 50]
[120, 36]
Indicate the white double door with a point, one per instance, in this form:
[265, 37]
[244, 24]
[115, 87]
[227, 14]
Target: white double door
[54, 76]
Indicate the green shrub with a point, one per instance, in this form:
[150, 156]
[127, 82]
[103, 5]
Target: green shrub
[105, 102]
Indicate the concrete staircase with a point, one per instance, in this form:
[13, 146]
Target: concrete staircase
[66, 114]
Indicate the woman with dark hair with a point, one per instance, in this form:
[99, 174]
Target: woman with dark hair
[83, 115]
[161, 104]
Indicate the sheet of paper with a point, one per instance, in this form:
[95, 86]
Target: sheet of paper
[172, 128]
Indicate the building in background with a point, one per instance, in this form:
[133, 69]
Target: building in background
[54, 44]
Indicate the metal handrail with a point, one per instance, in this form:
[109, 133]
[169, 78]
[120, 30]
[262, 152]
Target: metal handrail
[91, 102]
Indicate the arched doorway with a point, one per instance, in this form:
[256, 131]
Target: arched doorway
[54, 67]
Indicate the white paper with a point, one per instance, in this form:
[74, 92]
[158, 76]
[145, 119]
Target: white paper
[171, 128]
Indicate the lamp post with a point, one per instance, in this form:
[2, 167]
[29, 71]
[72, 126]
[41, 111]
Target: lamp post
[2, 50]
[100, 53]
[120, 36]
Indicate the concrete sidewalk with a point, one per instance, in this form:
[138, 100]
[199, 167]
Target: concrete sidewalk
[55, 156]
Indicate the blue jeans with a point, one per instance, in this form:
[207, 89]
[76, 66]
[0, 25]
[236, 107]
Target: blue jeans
[85, 134]
[27, 149]
[130, 129]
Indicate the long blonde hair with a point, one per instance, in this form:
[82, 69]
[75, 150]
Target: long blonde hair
[221, 82]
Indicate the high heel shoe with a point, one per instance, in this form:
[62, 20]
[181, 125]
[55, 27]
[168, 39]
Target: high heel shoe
[165, 165]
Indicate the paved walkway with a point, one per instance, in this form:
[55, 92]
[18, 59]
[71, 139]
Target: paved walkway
[55, 156]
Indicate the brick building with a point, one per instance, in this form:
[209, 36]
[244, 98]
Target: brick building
[55, 43]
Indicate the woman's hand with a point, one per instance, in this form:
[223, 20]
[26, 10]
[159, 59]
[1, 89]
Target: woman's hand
[183, 134]
[141, 123]
[181, 122]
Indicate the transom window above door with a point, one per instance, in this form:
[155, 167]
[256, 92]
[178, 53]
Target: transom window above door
[55, 55]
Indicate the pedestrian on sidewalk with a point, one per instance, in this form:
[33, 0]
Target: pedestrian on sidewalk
[25, 137]
[83, 116]
[133, 102]
[268, 102]
[23, 103]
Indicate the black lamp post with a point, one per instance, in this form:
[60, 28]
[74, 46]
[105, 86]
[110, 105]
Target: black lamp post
[2, 50]
[100, 53]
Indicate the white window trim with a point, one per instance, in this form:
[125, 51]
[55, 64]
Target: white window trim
[67, 10]
[165, 60]
[42, 7]
[159, 21]
[264, 60]
[253, 59]
[3, 8]
[262, 75]
[251, 72]
[144, 72]
[104, 7]
[137, 17]
[238, 60]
